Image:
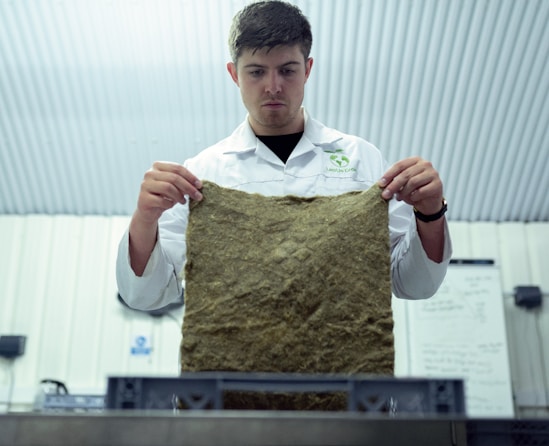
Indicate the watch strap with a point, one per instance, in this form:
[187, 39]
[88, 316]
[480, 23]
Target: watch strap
[432, 217]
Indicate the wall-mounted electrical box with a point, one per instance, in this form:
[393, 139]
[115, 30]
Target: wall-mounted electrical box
[12, 346]
[528, 296]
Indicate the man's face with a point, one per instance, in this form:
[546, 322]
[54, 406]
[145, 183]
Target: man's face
[272, 85]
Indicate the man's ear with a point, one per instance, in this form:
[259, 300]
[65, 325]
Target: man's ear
[308, 67]
[231, 68]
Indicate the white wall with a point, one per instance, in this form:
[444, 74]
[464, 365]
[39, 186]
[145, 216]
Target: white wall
[520, 250]
[57, 287]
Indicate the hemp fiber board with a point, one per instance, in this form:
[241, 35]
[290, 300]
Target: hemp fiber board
[288, 284]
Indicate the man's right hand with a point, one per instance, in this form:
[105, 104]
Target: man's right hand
[164, 185]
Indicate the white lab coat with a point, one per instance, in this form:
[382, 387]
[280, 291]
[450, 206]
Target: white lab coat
[325, 162]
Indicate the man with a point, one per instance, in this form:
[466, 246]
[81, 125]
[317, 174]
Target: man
[280, 150]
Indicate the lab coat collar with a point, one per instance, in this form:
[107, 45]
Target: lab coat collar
[316, 134]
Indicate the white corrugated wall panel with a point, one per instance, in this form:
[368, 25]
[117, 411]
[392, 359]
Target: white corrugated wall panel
[518, 250]
[527, 329]
[57, 287]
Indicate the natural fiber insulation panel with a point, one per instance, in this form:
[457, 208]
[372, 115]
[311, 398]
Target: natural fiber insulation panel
[288, 284]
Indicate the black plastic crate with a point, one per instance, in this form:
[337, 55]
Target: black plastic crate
[205, 390]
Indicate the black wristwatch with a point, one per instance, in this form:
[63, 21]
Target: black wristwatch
[432, 217]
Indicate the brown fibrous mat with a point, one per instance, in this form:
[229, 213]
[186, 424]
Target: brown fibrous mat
[288, 285]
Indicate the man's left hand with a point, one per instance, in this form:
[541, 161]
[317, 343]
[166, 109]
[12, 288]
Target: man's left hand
[414, 181]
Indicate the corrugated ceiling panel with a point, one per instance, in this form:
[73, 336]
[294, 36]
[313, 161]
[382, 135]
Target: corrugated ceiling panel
[92, 92]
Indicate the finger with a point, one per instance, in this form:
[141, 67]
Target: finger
[150, 201]
[404, 182]
[180, 170]
[152, 205]
[421, 181]
[423, 191]
[178, 176]
[163, 186]
[397, 169]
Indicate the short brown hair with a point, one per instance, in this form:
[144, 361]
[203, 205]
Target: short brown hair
[267, 24]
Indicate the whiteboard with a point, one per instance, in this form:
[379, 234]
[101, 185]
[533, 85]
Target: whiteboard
[460, 333]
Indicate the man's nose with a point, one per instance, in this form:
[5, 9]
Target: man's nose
[274, 84]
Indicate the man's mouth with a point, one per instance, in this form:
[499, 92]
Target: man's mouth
[273, 104]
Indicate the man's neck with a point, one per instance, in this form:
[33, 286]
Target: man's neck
[296, 125]
[281, 145]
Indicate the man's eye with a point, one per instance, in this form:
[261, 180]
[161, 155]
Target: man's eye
[256, 73]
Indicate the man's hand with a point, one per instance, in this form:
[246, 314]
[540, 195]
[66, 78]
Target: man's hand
[164, 185]
[415, 181]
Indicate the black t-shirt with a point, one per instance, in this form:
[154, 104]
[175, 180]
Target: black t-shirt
[281, 145]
